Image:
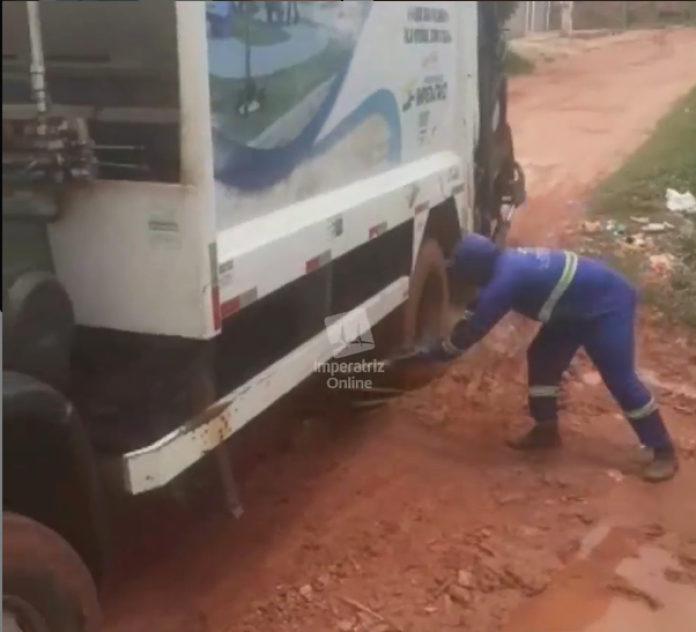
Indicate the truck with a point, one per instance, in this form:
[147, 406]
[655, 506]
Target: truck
[204, 205]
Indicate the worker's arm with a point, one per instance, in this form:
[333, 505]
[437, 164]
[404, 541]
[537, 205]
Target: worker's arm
[493, 302]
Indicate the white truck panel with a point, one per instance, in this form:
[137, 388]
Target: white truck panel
[360, 148]
[272, 234]
[136, 256]
[346, 138]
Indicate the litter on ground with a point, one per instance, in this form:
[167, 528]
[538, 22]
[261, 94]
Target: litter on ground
[681, 202]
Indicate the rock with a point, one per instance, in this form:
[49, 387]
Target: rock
[585, 518]
[306, 591]
[615, 475]
[460, 595]
[590, 228]
[592, 379]
[322, 581]
[465, 579]
[345, 626]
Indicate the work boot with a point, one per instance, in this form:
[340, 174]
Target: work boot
[662, 467]
[543, 436]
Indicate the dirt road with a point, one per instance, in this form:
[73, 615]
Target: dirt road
[418, 518]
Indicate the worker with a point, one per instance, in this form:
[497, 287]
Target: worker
[580, 302]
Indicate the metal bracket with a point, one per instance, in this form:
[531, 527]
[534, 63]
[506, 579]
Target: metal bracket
[229, 484]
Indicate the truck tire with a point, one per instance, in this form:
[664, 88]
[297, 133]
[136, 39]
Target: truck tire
[422, 317]
[46, 586]
[428, 301]
[425, 317]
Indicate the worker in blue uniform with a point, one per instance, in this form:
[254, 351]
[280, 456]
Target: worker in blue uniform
[580, 302]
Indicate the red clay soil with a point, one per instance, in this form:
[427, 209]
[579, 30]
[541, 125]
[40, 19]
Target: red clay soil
[417, 517]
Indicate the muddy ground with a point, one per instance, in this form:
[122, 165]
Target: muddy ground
[418, 518]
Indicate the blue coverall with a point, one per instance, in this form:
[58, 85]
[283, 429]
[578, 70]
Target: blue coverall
[581, 303]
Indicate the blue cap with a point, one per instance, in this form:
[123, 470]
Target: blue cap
[474, 259]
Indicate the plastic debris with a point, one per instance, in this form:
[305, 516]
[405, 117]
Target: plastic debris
[656, 227]
[635, 242]
[662, 264]
[616, 228]
[681, 202]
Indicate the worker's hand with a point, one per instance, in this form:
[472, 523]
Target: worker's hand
[437, 352]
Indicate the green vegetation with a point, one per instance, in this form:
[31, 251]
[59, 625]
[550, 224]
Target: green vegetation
[515, 64]
[281, 91]
[666, 160]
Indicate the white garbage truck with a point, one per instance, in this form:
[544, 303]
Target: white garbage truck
[203, 204]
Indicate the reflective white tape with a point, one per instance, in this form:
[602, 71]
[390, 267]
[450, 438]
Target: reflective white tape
[569, 270]
[643, 411]
[544, 391]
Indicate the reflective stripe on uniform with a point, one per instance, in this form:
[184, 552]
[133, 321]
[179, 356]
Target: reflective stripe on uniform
[569, 270]
[643, 411]
[544, 391]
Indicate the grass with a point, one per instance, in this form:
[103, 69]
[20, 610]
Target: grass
[283, 90]
[666, 160]
[516, 64]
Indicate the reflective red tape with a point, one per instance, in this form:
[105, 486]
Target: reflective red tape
[233, 305]
[318, 261]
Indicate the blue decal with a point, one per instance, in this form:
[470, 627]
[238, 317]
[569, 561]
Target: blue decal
[276, 70]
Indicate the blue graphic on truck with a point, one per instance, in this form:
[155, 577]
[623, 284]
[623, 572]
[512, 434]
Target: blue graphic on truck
[276, 70]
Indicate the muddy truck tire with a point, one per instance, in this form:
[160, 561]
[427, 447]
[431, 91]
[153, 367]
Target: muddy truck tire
[46, 586]
[425, 316]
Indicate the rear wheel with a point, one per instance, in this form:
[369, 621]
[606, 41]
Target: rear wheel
[425, 317]
[46, 586]
[426, 310]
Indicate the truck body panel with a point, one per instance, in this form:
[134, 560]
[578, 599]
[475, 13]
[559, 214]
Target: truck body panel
[256, 162]
[378, 141]
[136, 256]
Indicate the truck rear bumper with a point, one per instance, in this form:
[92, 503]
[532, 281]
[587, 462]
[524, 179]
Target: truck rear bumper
[153, 466]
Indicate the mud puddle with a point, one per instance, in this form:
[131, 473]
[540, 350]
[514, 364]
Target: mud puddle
[614, 584]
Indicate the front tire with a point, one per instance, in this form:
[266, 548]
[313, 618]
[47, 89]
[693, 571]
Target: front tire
[46, 586]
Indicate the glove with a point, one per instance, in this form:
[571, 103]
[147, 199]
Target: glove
[439, 351]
